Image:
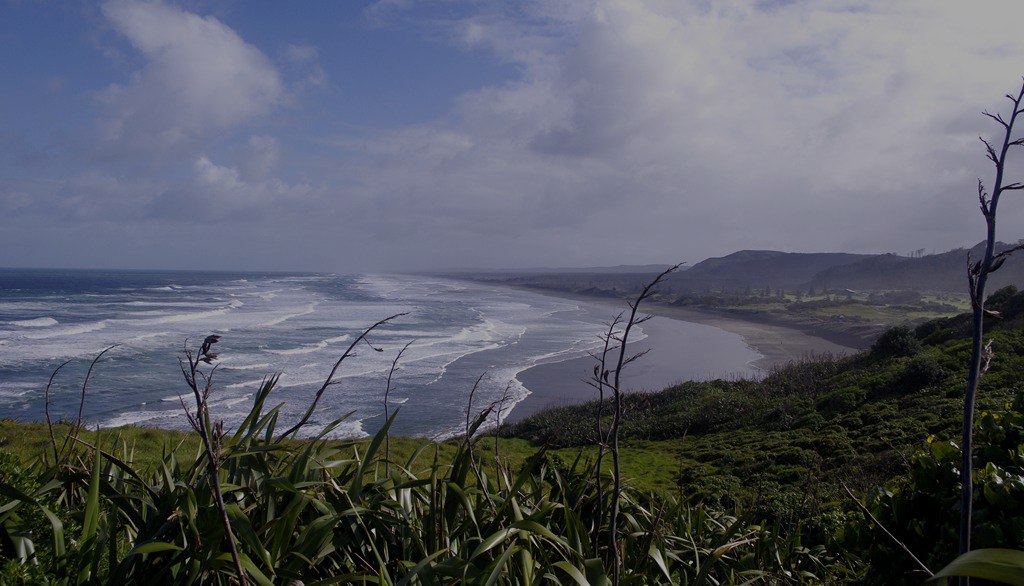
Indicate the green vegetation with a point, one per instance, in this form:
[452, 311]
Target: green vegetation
[725, 482]
[327, 512]
[780, 448]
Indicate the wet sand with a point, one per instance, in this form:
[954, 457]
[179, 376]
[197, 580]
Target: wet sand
[684, 344]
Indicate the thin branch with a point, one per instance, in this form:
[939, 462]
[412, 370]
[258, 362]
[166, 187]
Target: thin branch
[81, 405]
[505, 396]
[990, 151]
[469, 404]
[330, 377]
[600, 382]
[892, 537]
[1002, 256]
[46, 408]
[387, 413]
[998, 118]
[635, 357]
[616, 387]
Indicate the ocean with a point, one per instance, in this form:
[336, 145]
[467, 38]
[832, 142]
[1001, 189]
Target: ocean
[294, 324]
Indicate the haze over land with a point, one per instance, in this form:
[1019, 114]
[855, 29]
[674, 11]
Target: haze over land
[394, 135]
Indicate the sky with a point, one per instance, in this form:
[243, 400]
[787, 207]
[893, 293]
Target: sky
[403, 135]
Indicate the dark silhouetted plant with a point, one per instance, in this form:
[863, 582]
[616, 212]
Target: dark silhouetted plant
[623, 360]
[978, 274]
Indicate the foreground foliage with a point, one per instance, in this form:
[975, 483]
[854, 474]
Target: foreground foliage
[324, 512]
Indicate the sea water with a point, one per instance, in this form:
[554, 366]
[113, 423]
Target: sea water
[297, 325]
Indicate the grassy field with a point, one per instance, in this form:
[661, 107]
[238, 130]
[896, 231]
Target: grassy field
[647, 466]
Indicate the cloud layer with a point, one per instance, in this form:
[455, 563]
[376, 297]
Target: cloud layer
[707, 127]
[629, 131]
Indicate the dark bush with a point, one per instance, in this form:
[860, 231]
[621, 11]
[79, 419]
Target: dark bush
[921, 372]
[841, 401]
[1008, 301]
[897, 341]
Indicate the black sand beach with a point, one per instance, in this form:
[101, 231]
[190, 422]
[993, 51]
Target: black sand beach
[678, 338]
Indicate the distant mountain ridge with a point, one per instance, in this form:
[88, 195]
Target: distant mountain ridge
[613, 270]
[756, 270]
[762, 268]
[946, 271]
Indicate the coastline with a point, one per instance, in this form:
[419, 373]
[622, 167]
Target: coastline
[562, 383]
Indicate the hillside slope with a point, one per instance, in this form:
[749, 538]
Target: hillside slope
[945, 271]
[760, 268]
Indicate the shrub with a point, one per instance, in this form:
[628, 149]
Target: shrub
[920, 372]
[895, 342]
[924, 514]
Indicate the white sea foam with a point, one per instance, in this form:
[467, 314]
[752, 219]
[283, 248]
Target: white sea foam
[148, 336]
[39, 322]
[268, 295]
[350, 428]
[19, 389]
[274, 316]
[172, 418]
[459, 356]
[186, 317]
[309, 348]
[69, 331]
[252, 383]
[283, 318]
[233, 366]
[163, 303]
[229, 403]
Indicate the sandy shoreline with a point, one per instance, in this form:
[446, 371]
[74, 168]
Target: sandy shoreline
[673, 334]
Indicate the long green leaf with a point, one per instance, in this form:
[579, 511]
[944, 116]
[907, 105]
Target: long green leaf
[91, 520]
[573, 572]
[357, 481]
[153, 547]
[492, 579]
[1005, 566]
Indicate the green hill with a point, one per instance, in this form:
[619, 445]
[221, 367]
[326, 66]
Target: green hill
[759, 269]
[946, 271]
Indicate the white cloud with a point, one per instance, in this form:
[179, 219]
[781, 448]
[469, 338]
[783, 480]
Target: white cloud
[222, 193]
[301, 53]
[625, 131]
[709, 126]
[200, 78]
[262, 153]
